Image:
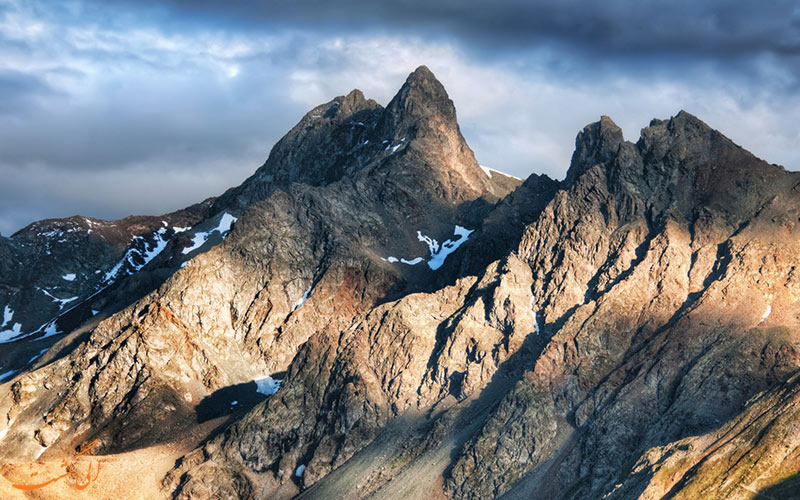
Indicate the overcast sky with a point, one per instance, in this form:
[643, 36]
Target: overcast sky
[112, 108]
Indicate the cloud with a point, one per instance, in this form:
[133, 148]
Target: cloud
[19, 91]
[154, 188]
[111, 108]
[720, 27]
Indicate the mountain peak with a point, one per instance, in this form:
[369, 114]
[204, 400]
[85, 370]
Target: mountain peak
[682, 123]
[422, 74]
[423, 86]
[354, 102]
[598, 142]
[687, 122]
[420, 106]
[422, 114]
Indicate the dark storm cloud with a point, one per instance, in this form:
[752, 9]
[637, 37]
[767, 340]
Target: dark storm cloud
[586, 39]
[714, 27]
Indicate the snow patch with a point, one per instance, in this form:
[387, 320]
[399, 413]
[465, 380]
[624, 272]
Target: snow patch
[300, 469]
[438, 252]
[8, 335]
[50, 329]
[449, 246]
[61, 302]
[223, 227]
[51, 233]
[151, 250]
[225, 223]
[198, 240]
[304, 297]
[159, 245]
[395, 148]
[234, 403]
[267, 385]
[767, 312]
[37, 356]
[8, 374]
[68, 277]
[412, 262]
[433, 245]
[536, 327]
[488, 171]
[8, 313]
[110, 275]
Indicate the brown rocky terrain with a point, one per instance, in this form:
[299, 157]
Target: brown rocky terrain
[437, 331]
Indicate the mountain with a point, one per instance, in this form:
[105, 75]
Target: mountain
[373, 314]
[57, 274]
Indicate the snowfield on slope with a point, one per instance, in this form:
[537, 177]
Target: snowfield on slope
[200, 238]
[438, 253]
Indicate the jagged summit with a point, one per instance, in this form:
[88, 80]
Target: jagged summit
[597, 143]
[337, 110]
[420, 107]
[422, 74]
[422, 84]
[352, 134]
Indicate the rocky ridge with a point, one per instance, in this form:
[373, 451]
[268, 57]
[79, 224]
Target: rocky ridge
[232, 314]
[59, 273]
[629, 332]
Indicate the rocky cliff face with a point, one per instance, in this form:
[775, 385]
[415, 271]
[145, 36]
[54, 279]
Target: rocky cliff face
[666, 329]
[397, 323]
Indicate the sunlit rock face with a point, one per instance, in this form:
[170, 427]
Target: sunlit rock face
[376, 315]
